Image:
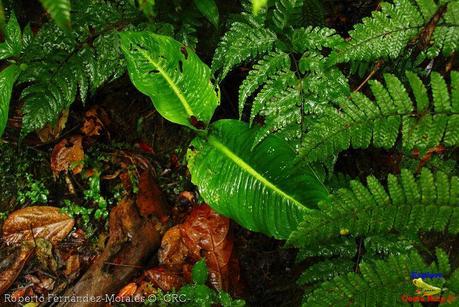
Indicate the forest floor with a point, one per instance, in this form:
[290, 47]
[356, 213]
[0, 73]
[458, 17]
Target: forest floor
[122, 154]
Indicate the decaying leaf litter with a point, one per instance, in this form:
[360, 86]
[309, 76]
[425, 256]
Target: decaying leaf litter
[156, 230]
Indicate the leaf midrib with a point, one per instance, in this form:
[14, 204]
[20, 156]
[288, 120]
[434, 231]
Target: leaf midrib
[251, 171]
[171, 83]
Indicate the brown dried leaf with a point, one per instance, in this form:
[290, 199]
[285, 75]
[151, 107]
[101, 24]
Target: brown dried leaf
[95, 121]
[149, 198]
[68, 154]
[172, 252]
[13, 265]
[127, 290]
[205, 232]
[72, 266]
[50, 133]
[164, 279]
[37, 222]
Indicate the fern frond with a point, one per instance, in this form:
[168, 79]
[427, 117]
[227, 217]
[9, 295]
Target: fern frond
[325, 270]
[381, 283]
[342, 247]
[315, 38]
[244, 41]
[383, 35]
[61, 64]
[275, 84]
[260, 73]
[287, 12]
[409, 205]
[446, 35]
[283, 115]
[361, 122]
[388, 245]
[313, 13]
[59, 11]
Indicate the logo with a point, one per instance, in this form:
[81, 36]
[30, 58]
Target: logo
[425, 291]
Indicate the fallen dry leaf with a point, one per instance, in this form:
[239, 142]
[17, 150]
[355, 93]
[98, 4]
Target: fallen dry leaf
[68, 154]
[173, 251]
[95, 120]
[205, 233]
[37, 222]
[72, 266]
[149, 197]
[127, 290]
[50, 133]
[12, 266]
[165, 279]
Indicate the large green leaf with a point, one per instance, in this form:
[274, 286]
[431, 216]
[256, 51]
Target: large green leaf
[7, 78]
[59, 11]
[174, 77]
[261, 189]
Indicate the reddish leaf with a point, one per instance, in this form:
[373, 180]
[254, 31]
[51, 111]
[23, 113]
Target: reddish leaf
[14, 264]
[68, 154]
[149, 197]
[205, 233]
[145, 147]
[172, 252]
[164, 279]
[127, 290]
[37, 222]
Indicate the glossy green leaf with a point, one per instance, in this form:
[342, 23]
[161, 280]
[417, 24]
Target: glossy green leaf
[174, 77]
[7, 78]
[209, 9]
[13, 39]
[199, 272]
[261, 189]
[59, 11]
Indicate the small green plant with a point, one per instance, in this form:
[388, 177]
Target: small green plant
[32, 191]
[82, 212]
[196, 294]
[93, 195]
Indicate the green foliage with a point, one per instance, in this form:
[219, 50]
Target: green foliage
[280, 192]
[257, 5]
[170, 73]
[8, 77]
[13, 39]
[209, 9]
[32, 191]
[196, 294]
[93, 195]
[324, 270]
[244, 41]
[260, 73]
[82, 212]
[380, 283]
[360, 122]
[62, 64]
[391, 30]
[199, 272]
[409, 205]
[59, 11]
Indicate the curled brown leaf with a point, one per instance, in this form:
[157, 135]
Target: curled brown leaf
[67, 155]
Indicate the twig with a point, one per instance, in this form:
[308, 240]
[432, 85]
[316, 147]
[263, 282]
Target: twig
[370, 75]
